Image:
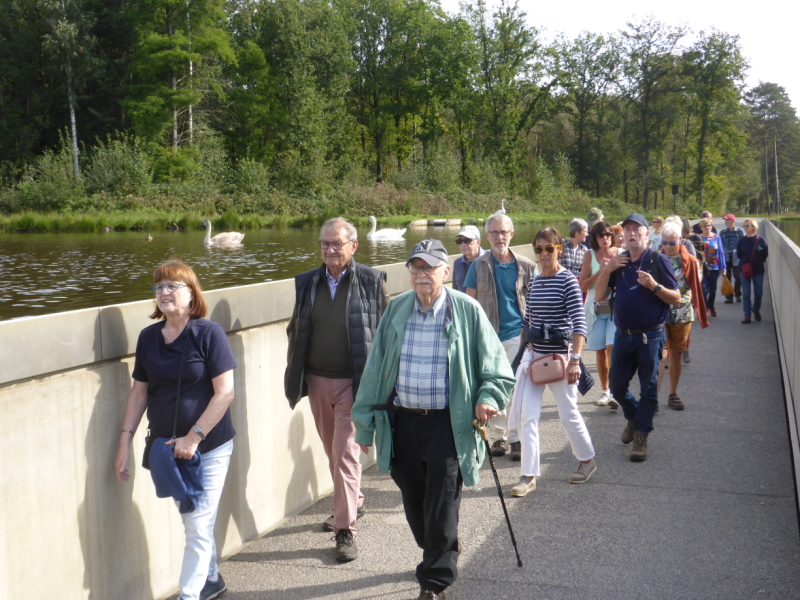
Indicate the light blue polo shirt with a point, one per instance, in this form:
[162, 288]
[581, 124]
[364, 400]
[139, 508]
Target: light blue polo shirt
[505, 282]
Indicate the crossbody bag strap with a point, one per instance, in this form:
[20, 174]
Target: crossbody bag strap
[180, 373]
[755, 247]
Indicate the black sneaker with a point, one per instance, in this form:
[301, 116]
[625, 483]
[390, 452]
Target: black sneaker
[516, 451]
[757, 315]
[213, 589]
[329, 523]
[738, 298]
[346, 549]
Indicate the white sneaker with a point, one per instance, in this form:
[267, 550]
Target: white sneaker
[603, 399]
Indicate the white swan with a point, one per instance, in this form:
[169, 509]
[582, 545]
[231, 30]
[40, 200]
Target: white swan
[384, 234]
[502, 210]
[230, 238]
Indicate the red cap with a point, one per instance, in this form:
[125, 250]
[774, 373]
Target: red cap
[729, 217]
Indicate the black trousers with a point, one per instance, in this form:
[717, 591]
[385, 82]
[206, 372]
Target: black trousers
[736, 279]
[425, 468]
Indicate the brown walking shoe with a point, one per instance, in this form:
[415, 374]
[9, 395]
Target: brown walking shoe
[429, 595]
[639, 451]
[499, 448]
[627, 434]
[674, 402]
[346, 549]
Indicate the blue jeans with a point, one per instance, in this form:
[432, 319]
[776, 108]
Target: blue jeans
[200, 552]
[710, 287]
[632, 354]
[757, 283]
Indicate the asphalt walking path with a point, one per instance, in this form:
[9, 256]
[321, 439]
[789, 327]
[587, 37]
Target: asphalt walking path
[710, 514]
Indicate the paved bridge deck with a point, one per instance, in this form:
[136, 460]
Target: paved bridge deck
[710, 514]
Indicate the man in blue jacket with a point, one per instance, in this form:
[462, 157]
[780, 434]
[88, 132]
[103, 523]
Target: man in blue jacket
[730, 240]
[435, 365]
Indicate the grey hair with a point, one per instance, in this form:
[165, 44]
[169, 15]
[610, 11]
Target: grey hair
[705, 215]
[674, 219]
[576, 226]
[671, 228]
[340, 223]
[504, 219]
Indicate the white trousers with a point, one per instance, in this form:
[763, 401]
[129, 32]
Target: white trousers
[200, 552]
[566, 397]
[498, 424]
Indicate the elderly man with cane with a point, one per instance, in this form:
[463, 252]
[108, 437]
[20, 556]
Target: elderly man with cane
[435, 365]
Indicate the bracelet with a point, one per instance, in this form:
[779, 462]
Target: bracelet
[574, 362]
[129, 431]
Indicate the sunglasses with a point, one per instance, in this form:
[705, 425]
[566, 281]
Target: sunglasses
[549, 249]
[607, 234]
[663, 243]
[463, 241]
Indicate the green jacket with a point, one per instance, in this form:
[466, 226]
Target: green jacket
[478, 368]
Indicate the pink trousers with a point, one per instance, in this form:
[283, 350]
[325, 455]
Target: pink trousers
[331, 402]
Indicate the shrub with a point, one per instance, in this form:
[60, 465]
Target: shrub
[118, 167]
[50, 182]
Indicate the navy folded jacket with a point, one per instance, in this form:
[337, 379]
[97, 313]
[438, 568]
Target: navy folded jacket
[180, 479]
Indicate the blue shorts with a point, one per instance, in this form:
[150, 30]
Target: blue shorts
[602, 333]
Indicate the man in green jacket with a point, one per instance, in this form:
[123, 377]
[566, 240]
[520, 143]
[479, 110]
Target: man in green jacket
[435, 365]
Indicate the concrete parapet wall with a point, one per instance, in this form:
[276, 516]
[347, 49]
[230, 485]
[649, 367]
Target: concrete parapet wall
[67, 528]
[783, 267]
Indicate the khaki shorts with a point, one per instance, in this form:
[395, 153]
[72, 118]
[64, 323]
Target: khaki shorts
[677, 336]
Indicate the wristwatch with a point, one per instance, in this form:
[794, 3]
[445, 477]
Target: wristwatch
[575, 356]
[198, 431]
[657, 288]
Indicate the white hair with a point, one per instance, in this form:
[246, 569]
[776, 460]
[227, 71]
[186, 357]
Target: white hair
[503, 219]
[340, 223]
[671, 228]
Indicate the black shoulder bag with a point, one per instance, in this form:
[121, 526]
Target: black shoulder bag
[148, 441]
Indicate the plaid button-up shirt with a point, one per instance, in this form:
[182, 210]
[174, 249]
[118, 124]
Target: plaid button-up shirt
[423, 380]
[572, 258]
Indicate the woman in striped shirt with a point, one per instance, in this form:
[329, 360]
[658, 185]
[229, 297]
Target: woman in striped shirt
[554, 302]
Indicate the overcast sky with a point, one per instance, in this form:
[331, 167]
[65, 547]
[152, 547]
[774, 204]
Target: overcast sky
[767, 30]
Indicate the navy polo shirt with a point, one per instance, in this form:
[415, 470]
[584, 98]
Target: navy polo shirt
[208, 355]
[635, 306]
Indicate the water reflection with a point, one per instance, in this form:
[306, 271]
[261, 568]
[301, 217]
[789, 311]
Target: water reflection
[46, 273]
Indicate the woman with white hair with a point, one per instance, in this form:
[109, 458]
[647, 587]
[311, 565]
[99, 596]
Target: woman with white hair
[572, 254]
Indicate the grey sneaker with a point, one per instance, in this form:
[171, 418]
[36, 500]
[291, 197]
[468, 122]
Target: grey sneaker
[674, 402]
[627, 434]
[516, 451]
[213, 589]
[583, 472]
[499, 448]
[527, 483]
[612, 404]
[346, 549]
[639, 451]
[686, 358]
[329, 524]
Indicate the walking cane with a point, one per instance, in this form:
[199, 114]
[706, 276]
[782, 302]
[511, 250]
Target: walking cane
[485, 437]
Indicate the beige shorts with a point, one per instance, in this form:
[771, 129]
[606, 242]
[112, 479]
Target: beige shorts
[677, 336]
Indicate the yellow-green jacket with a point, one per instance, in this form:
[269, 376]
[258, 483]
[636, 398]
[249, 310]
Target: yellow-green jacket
[478, 369]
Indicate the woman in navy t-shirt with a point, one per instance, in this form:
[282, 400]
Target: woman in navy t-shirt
[203, 416]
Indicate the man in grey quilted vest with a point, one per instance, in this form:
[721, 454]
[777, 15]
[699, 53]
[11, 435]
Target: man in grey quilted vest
[498, 280]
[337, 309]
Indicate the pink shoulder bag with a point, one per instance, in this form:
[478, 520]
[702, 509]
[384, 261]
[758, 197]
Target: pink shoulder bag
[548, 369]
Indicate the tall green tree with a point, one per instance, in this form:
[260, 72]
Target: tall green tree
[650, 85]
[715, 68]
[177, 45]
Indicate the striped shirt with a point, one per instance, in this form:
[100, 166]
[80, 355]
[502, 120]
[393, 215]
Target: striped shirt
[556, 301]
[423, 380]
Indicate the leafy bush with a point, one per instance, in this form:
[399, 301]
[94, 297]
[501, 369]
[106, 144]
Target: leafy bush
[50, 182]
[118, 167]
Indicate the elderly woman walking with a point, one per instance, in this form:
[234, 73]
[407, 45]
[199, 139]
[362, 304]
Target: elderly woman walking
[752, 251]
[184, 356]
[554, 326]
[714, 254]
[573, 249]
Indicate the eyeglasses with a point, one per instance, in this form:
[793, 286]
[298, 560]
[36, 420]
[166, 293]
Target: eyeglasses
[748, 224]
[460, 241]
[170, 286]
[427, 269]
[607, 234]
[335, 245]
[663, 243]
[549, 249]
[503, 232]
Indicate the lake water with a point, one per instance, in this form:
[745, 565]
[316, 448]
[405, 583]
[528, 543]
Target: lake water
[47, 273]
